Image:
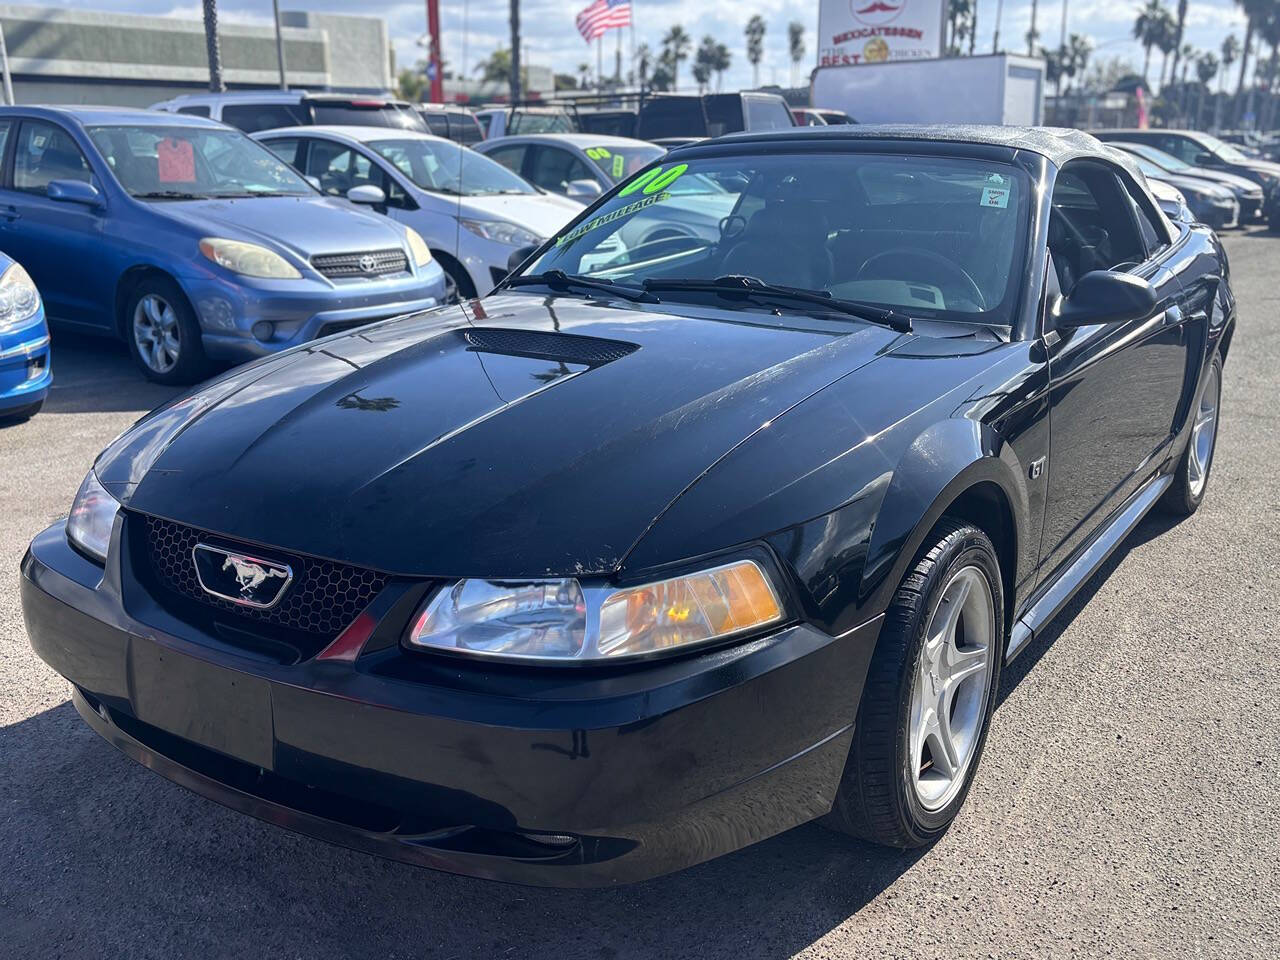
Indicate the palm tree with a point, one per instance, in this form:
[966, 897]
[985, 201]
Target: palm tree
[1230, 53]
[1166, 43]
[795, 45]
[958, 12]
[1079, 50]
[1206, 70]
[211, 43]
[1256, 12]
[721, 62]
[1146, 30]
[675, 47]
[1032, 34]
[755, 46]
[702, 62]
[1269, 32]
[973, 26]
[1178, 25]
[644, 60]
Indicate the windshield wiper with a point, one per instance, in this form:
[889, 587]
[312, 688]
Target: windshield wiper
[736, 284]
[558, 278]
[170, 195]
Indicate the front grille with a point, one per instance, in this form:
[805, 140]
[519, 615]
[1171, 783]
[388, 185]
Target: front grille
[364, 263]
[322, 600]
[565, 347]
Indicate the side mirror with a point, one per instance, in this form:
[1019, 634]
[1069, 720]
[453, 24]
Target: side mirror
[1205, 160]
[367, 193]
[314, 181]
[583, 189]
[519, 256]
[74, 191]
[1105, 296]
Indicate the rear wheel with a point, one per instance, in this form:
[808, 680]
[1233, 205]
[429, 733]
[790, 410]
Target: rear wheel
[928, 696]
[1191, 479]
[162, 333]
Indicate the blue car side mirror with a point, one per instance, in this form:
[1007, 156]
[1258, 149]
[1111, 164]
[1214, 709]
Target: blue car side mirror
[74, 191]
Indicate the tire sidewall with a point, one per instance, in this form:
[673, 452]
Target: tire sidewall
[191, 362]
[1184, 470]
[976, 550]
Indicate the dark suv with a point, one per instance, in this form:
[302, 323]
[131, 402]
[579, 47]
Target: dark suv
[689, 115]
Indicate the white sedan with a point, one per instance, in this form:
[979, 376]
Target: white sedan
[474, 213]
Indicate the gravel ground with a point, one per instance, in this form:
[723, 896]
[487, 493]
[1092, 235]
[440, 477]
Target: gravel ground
[1126, 805]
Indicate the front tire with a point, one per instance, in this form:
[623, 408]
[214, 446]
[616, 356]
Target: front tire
[929, 693]
[163, 335]
[1191, 479]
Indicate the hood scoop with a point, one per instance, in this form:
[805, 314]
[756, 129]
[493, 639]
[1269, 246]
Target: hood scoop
[537, 345]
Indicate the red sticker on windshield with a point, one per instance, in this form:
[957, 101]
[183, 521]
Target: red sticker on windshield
[177, 161]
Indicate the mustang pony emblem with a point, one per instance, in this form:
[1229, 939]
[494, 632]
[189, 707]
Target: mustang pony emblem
[244, 580]
[250, 575]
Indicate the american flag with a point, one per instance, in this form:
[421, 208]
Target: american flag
[603, 15]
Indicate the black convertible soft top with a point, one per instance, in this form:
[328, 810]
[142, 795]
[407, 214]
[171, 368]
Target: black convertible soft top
[1058, 144]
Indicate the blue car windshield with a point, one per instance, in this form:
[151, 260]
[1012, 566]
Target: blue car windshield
[934, 237]
[442, 166]
[185, 162]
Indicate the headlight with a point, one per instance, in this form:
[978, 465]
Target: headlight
[418, 247]
[556, 620]
[248, 259]
[502, 231]
[92, 513]
[19, 299]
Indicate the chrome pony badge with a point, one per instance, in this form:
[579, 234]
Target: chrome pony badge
[242, 579]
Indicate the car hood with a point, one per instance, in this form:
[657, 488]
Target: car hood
[544, 214]
[304, 225]
[534, 436]
[1196, 185]
[1231, 180]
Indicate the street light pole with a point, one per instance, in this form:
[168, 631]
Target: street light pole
[216, 84]
[515, 51]
[4, 67]
[275, 9]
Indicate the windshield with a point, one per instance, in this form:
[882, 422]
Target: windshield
[434, 165]
[366, 113]
[1159, 157]
[932, 237]
[525, 121]
[618, 163]
[178, 162]
[1223, 149]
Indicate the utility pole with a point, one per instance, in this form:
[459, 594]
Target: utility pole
[275, 10]
[216, 84]
[434, 70]
[515, 51]
[4, 67]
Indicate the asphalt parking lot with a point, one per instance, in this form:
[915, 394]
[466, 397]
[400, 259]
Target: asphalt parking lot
[1127, 804]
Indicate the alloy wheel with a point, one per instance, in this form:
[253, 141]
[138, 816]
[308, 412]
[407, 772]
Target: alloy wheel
[156, 333]
[1204, 433]
[950, 687]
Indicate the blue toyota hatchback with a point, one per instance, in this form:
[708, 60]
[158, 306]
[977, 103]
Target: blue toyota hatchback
[25, 371]
[190, 241]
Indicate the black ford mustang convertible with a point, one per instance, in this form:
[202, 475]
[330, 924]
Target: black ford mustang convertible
[659, 549]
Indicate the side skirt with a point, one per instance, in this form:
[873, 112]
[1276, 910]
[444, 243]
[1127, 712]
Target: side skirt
[1083, 567]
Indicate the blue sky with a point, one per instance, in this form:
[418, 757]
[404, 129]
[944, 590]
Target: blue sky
[552, 40]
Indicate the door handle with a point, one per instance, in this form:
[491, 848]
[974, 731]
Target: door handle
[10, 213]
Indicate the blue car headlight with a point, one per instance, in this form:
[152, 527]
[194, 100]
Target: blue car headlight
[92, 514]
[19, 299]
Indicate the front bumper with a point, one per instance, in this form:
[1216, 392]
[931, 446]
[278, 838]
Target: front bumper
[26, 371]
[571, 778]
[299, 311]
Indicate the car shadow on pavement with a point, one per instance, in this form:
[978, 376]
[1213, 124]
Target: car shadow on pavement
[97, 375]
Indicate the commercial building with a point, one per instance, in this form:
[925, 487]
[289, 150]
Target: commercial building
[58, 55]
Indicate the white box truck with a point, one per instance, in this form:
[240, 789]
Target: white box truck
[1001, 88]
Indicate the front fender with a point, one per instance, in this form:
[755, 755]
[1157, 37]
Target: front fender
[949, 459]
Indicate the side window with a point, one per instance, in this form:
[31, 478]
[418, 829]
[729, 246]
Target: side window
[463, 128]
[766, 113]
[1183, 148]
[45, 153]
[1154, 235]
[554, 168]
[286, 150]
[437, 123]
[5, 126]
[197, 111]
[510, 157]
[251, 117]
[331, 164]
[1092, 225]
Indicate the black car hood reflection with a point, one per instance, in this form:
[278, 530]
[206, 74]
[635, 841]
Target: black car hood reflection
[524, 435]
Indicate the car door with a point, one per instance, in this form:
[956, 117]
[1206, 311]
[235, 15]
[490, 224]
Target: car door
[60, 243]
[554, 168]
[1115, 388]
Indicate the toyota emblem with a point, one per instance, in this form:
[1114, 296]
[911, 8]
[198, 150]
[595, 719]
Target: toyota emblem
[368, 263]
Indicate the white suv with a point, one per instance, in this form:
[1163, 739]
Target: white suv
[254, 110]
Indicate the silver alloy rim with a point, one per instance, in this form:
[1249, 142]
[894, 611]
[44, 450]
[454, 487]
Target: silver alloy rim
[1203, 433]
[949, 690]
[450, 288]
[156, 334]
